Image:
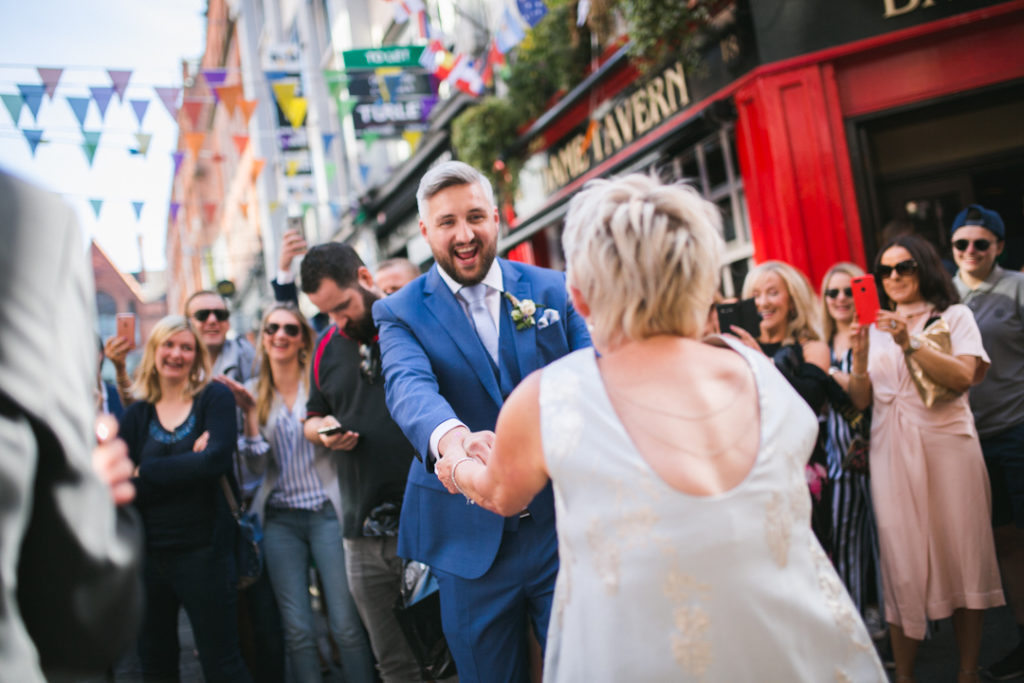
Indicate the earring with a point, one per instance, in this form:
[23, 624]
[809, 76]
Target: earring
[792, 314]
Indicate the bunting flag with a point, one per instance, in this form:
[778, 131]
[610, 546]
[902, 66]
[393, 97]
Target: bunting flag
[175, 207]
[138, 209]
[388, 80]
[532, 10]
[345, 108]
[92, 141]
[97, 204]
[244, 208]
[194, 142]
[119, 79]
[284, 137]
[495, 59]
[413, 138]
[364, 170]
[50, 78]
[140, 107]
[284, 93]
[330, 170]
[273, 205]
[142, 141]
[177, 157]
[214, 77]
[336, 80]
[229, 95]
[296, 111]
[14, 103]
[169, 97]
[328, 137]
[80, 107]
[32, 94]
[192, 109]
[510, 33]
[257, 167]
[466, 78]
[217, 157]
[335, 209]
[448, 63]
[209, 211]
[370, 138]
[277, 75]
[241, 142]
[247, 107]
[102, 97]
[291, 167]
[430, 56]
[32, 137]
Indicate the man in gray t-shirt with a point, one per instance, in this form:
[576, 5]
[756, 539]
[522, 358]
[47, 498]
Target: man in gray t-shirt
[996, 297]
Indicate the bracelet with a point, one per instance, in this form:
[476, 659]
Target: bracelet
[859, 375]
[455, 468]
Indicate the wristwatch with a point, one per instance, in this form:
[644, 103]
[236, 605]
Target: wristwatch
[915, 345]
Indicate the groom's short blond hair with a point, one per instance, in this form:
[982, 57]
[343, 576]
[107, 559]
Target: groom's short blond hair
[645, 256]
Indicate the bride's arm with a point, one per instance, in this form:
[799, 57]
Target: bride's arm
[515, 471]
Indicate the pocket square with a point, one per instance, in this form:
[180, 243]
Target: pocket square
[549, 316]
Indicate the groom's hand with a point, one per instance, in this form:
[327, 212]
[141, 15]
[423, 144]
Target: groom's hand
[479, 445]
[451, 451]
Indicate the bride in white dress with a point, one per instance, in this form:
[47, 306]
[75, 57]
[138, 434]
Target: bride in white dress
[683, 514]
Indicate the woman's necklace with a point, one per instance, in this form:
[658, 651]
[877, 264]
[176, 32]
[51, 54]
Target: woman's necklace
[675, 414]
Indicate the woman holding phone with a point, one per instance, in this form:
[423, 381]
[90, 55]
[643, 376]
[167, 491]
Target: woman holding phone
[298, 500]
[928, 479]
[854, 536]
[181, 436]
[791, 337]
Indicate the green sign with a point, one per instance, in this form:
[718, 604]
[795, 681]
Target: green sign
[377, 58]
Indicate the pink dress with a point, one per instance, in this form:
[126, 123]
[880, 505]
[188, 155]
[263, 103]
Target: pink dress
[930, 488]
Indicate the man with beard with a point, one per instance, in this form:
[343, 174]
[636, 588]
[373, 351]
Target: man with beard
[346, 413]
[455, 343]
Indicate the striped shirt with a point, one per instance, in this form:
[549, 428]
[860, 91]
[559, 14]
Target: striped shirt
[298, 487]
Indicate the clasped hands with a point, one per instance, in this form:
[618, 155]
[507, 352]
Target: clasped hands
[458, 445]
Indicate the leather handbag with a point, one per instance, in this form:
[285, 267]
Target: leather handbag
[248, 540]
[936, 336]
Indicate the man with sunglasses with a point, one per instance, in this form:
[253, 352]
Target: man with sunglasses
[260, 630]
[346, 412]
[996, 296]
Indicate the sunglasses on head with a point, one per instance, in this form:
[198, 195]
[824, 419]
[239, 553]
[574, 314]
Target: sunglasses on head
[902, 268]
[979, 245]
[833, 293]
[204, 313]
[290, 329]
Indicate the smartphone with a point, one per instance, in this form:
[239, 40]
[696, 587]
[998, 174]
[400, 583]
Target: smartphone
[297, 223]
[742, 314]
[338, 429]
[865, 298]
[126, 327]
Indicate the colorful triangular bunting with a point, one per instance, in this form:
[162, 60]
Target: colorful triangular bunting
[241, 142]
[192, 109]
[97, 204]
[328, 137]
[32, 93]
[291, 167]
[169, 97]
[257, 167]
[50, 78]
[177, 157]
[296, 111]
[214, 77]
[194, 142]
[138, 209]
[247, 107]
[209, 211]
[102, 97]
[229, 95]
[142, 140]
[120, 80]
[14, 103]
[174, 208]
[92, 141]
[140, 107]
[80, 107]
[33, 137]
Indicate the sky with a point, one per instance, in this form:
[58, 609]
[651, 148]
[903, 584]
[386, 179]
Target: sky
[148, 37]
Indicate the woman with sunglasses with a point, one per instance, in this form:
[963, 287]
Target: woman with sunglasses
[299, 502]
[181, 436]
[928, 479]
[854, 536]
[791, 337]
[996, 297]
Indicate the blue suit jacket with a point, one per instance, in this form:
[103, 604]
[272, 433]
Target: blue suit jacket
[436, 368]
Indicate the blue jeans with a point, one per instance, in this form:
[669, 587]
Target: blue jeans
[202, 580]
[290, 539]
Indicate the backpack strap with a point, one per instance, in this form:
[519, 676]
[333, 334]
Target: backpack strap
[321, 345]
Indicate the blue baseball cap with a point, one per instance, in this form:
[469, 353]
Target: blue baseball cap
[976, 214]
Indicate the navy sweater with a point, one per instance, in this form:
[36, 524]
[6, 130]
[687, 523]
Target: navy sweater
[178, 491]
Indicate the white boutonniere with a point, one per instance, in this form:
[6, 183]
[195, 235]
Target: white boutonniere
[522, 312]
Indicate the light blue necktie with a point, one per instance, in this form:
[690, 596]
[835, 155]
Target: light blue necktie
[475, 296]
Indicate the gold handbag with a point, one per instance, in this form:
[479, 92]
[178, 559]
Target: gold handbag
[936, 336]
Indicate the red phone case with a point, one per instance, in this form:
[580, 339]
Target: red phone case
[865, 298]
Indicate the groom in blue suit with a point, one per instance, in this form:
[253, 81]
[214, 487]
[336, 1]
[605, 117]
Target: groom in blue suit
[455, 342]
